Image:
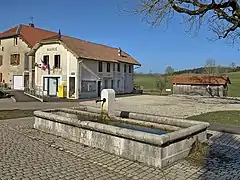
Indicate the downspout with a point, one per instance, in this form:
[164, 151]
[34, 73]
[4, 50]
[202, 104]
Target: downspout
[79, 78]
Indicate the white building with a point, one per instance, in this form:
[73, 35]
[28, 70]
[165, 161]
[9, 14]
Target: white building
[86, 68]
[15, 43]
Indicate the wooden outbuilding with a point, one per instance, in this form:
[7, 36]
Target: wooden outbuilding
[201, 85]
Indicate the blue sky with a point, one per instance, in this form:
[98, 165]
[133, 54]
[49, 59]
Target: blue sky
[103, 21]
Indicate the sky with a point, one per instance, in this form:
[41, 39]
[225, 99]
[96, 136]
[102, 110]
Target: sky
[106, 22]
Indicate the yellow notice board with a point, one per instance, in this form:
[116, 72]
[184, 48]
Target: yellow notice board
[62, 90]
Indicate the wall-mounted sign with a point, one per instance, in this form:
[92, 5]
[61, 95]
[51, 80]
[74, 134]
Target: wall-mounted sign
[52, 49]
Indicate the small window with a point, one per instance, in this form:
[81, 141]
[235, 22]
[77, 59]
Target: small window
[130, 68]
[1, 60]
[0, 77]
[57, 61]
[15, 41]
[114, 65]
[118, 67]
[99, 66]
[112, 84]
[45, 84]
[118, 84]
[0, 42]
[108, 67]
[46, 59]
[125, 68]
[15, 59]
[105, 84]
[2, 48]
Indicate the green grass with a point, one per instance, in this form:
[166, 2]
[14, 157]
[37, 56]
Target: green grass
[234, 88]
[221, 117]
[148, 83]
[12, 114]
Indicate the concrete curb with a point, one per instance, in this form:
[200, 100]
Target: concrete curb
[13, 99]
[39, 99]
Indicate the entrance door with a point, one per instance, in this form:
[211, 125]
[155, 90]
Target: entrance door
[52, 91]
[18, 82]
[99, 88]
[72, 87]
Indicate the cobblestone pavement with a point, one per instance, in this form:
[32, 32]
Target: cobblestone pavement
[26, 153]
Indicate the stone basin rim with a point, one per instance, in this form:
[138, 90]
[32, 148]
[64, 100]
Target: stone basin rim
[156, 140]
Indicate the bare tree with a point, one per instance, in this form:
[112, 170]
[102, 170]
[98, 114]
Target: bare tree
[221, 16]
[233, 65]
[210, 67]
[161, 83]
[169, 70]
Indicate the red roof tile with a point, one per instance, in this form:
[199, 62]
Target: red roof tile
[81, 48]
[29, 34]
[216, 80]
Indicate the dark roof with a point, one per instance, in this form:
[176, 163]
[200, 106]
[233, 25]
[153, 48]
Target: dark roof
[214, 80]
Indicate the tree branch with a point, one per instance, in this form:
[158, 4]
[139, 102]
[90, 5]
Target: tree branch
[226, 13]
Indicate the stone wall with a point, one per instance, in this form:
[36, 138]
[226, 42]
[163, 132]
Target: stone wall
[198, 90]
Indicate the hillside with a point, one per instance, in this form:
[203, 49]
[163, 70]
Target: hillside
[148, 82]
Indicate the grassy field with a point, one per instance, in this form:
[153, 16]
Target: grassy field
[148, 83]
[222, 117]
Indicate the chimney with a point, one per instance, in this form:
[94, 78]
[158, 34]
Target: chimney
[119, 52]
[31, 24]
[59, 35]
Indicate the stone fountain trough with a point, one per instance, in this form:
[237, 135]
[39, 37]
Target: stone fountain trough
[153, 140]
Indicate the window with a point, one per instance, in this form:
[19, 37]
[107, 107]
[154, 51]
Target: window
[130, 68]
[0, 77]
[114, 65]
[15, 59]
[2, 48]
[0, 42]
[26, 62]
[105, 84]
[118, 67]
[108, 67]
[45, 84]
[15, 41]
[99, 66]
[125, 68]
[57, 61]
[46, 59]
[1, 60]
[118, 84]
[89, 86]
[33, 62]
[112, 84]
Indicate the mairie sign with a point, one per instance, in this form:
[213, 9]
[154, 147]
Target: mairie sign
[52, 49]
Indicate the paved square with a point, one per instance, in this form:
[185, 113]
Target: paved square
[182, 106]
[26, 153]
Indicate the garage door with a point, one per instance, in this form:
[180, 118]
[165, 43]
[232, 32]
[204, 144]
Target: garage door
[18, 82]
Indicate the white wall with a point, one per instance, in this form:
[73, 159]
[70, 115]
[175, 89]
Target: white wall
[83, 74]
[126, 79]
[68, 63]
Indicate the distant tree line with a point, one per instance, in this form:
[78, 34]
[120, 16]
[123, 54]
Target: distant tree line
[216, 70]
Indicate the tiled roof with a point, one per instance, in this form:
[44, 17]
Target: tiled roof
[90, 50]
[29, 34]
[214, 80]
[81, 48]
